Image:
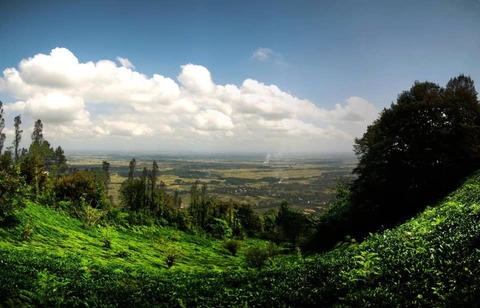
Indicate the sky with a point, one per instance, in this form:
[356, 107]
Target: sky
[223, 76]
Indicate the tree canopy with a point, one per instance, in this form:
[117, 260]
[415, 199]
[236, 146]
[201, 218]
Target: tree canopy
[419, 149]
[416, 152]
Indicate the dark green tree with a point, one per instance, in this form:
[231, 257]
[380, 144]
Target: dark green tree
[37, 135]
[2, 126]
[416, 152]
[248, 219]
[153, 182]
[131, 169]
[18, 136]
[144, 190]
[6, 160]
[194, 208]
[290, 223]
[13, 192]
[82, 185]
[60, 160]
[106, 171]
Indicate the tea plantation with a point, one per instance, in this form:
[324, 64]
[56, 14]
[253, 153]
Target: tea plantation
[50, 259]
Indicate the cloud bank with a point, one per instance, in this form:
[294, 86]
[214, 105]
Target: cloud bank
[106, 106]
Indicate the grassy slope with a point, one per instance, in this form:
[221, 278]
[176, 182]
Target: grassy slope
[44, 231]
[433, 259]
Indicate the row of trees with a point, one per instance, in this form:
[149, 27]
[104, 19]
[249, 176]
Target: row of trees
[146, 196]
[41, 173]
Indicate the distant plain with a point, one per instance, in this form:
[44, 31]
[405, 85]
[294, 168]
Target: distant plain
[307, 182]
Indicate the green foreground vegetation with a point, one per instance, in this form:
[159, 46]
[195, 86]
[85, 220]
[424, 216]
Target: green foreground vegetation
[433, 259]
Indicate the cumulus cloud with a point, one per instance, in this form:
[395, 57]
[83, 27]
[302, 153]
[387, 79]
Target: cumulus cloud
[125, 62]
[196, 78]
[102, 100]
[123, 128]
[56, 107]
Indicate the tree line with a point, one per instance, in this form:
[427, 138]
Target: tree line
[147, 198]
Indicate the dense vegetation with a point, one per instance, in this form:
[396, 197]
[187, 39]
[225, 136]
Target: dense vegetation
[63, 243]
[430, 260]
[414, 154]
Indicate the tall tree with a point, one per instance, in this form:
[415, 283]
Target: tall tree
[144, 188]
[419, 149]
[37, 134]
[106, 172]
[416, 152]
[18, 136]
[131, 169]
[153, 181]
[2, 126]
[292, 224]
[194, 208]
[60, 160]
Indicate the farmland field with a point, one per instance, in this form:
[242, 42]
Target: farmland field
[306, 182]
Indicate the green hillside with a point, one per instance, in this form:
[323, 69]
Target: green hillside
[47, 258]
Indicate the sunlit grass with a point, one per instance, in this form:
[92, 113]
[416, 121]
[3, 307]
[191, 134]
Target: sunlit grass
[45, 231]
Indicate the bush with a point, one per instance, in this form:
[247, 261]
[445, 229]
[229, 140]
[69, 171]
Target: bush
[12, 193]
[88, 215]
[86, 184]
[256, 256]
[219, 228]
[232, 246]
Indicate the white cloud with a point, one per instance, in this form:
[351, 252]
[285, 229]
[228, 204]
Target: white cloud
[213, 120]
[262, 54]
[123, 128]
[356, 110]
[95, 102]
[125, 62]
[56, 107]
[196, 78]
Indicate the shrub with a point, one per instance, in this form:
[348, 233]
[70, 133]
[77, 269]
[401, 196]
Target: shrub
[86, 184]
[12, 192]
[219, 228]
[88, 215]
[256, 256]
[232, 246]
[171, 258]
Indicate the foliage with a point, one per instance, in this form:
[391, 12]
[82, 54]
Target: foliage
[257, 256]
[18, 136]
[232, 246]
[415, 153]
[291, 224]
[339, 219]
[82, 185]
[6, 160]
[2, 126]
[248, 219]
[431, 260]
[88, 215]
[13, 192]
[219, 228]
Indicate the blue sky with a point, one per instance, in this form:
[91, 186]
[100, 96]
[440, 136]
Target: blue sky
[343, 59]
